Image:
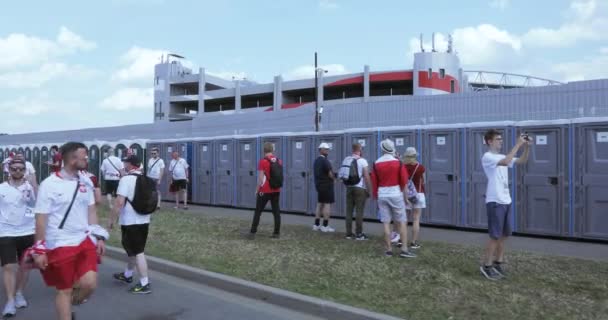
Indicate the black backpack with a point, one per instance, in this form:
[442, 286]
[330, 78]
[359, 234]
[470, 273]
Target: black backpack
[145, 200]
[353, 174]
[275, 178]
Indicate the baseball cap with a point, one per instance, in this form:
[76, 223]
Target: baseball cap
[132, 159]
[324, 145]
[16, 161]
[388, 146]
[410, 152]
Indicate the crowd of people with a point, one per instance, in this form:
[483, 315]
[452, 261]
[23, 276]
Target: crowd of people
[54, 226]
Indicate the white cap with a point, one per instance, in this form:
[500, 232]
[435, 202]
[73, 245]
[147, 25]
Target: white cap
[411, 152]
[324, 145]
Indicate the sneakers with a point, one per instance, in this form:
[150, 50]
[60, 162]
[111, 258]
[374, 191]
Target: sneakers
[407, 254]
[489, 272]
[497, 266]
[20, 301]
[121, 277]
[275, 236]
[139, 289]
[388, 253]
[415, 245]
[361, 237]
[395, 237]
[350, 236]
[327, 229]
[316, 227]
[9, 310]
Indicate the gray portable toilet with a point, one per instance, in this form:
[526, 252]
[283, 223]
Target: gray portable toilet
[94, 161]
[475, 215]
[336, 155]
[542, 198]
[21, 150]
[442, 149]
[297, 184]
[28, 154]
[138, 150]
[36, 162]
[203, 171]
[403, 139]
[120, 151]
[247, 154]
[590, 155]
[225, 175]
[2, 161]
[369, 142]
[45, 157]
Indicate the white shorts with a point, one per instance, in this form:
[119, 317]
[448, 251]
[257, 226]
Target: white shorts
[421, 204]
[391, 209]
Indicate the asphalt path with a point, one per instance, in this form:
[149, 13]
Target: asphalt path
[171, 299]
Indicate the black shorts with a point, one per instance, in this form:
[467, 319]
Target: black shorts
[134, 238]
[325, 193]
[180, 185]
[12, 248]
[111, 186]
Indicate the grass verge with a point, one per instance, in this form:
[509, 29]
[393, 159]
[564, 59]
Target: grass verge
[442, 283]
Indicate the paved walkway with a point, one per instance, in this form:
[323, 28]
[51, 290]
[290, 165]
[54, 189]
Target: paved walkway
[583, 250]
[171, 299]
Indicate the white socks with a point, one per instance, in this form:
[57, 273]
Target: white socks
[143, 281]
[128, 273]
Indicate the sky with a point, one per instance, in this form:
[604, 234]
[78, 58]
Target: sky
[80, 64]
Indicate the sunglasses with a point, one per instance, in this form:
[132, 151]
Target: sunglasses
[17, 169]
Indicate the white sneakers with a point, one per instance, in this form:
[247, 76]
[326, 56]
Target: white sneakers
[395, 237]
[9, 309]
[20, 301]
[323, 229]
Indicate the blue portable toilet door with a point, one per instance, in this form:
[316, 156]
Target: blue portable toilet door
[204, 172]
[592, 186]
[297, 185]
[246, 172]
[542, 196]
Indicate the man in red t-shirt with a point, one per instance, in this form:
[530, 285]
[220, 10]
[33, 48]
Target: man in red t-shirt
[56, 162]
[265, 192]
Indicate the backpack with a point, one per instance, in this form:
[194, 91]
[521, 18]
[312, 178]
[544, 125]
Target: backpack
[275, 177]
[146, 196]
[349, 171]
[412, 193]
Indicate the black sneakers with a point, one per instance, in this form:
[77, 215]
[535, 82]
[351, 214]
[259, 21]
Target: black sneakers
[499, 269]
[121, 277]
[139, 289]
[490, 273]
[415, 245]
[361, 237]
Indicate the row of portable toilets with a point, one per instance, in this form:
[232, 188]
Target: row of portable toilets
[562, 190]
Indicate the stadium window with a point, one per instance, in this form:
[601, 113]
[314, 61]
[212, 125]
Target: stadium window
[452, 86]
[442, 73]
[430, 73]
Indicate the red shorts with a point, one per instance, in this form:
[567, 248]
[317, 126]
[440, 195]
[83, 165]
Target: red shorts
[68, 264]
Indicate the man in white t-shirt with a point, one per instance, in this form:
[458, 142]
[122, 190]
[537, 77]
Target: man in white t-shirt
[30, 172]
[357, 192]
[498, 199]
[68, 237]
[5, 173]
[134, 228]
[17, 200]
[156, 170]
[111, 169]
[178, 168]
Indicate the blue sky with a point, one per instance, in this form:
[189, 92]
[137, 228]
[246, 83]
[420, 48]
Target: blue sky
[77, 64]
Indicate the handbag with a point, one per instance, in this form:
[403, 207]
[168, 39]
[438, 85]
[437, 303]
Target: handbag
[412, 193]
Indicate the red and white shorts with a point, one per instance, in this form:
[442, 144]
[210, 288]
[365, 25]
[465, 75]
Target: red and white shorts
[66, 265]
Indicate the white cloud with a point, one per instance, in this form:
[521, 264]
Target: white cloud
[585, 20]
[500, 4]
[48, 71]
[308, 71]
[26, 106]
[586, 68]
[129, 98]
[328, 4]
[138, 64]
[19, 49]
